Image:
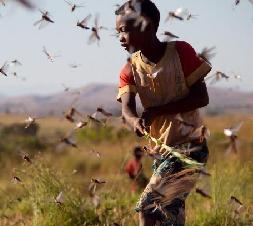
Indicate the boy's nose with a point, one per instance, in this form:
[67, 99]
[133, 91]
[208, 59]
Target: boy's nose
[122, 38]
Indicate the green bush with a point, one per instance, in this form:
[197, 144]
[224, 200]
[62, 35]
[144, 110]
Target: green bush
[15, 137]
[41, 185]
[102, 133]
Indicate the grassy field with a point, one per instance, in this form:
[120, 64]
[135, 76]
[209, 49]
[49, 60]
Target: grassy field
[56, 169]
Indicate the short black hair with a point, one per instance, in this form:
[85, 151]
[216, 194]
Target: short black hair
[137, 151]
[147, 9]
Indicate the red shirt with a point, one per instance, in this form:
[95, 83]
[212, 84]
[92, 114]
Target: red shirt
[133, 167]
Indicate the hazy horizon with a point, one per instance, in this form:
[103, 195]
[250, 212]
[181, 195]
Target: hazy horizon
[73, 89]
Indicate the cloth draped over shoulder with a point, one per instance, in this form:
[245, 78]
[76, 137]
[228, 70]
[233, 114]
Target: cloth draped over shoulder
[165, 82]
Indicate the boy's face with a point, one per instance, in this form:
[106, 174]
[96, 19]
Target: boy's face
[131, 37]
[138, 155]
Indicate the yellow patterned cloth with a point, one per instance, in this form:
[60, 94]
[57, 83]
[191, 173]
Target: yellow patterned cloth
[166, 82]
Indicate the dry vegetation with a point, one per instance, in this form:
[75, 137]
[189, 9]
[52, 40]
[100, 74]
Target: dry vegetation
[54, 169]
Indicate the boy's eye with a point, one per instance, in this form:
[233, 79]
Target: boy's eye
[124, 29]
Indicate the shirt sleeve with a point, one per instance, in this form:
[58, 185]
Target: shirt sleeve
[129, 168]
[126, 81]
[194, 67]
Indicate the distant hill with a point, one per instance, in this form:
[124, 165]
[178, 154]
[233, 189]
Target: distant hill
[93, 95]
[229, 101]
[90, 97]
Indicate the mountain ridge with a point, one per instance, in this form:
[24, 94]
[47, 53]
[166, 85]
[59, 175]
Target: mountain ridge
[98, 94]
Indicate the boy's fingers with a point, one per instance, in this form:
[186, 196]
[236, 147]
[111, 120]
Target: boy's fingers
[139, 127]
[139, 134]
[146, 123]
[139, 130]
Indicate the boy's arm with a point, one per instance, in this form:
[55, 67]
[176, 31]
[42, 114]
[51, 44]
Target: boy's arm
[126, 96]
[197, 98]
[130, 114]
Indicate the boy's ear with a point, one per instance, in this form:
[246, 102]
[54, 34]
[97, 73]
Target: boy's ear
[143, 23]
[150, 26]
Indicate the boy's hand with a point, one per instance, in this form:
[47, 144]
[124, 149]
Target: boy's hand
[138, 126]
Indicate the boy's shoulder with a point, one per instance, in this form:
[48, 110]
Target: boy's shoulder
[182, 44]
[184, 47]
[126, 69]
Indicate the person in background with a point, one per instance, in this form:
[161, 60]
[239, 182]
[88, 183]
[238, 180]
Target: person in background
[135, 171]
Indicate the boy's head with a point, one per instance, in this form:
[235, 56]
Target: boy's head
[137, 22]
[138, 153]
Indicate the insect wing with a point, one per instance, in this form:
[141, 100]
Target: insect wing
[228, 132]
[69, 3]
[181, 12]
[237, 127]
[86, 19]
[43, 24]
[92, 38]
[60, 198]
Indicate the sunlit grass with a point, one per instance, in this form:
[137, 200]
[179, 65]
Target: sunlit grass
[32, 202]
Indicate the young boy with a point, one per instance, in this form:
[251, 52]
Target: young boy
[169, 80]
[134, 170]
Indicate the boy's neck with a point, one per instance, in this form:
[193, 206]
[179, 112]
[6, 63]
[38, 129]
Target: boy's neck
[154, 51]
[137, 159]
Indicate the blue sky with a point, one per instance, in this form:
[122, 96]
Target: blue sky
[219, 24]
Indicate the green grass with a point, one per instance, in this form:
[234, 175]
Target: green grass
[32, 201]
[228, 179]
